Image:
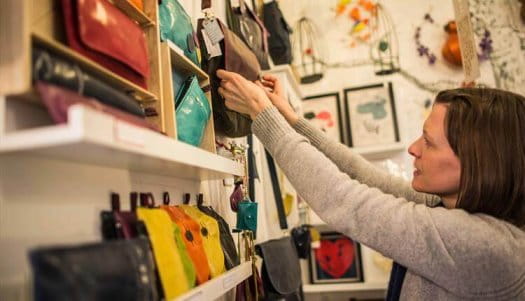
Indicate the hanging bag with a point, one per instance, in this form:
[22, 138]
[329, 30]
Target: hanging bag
[245, 23]
[279, 34]
[228, 52]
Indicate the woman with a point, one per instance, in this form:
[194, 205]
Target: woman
[457, 232]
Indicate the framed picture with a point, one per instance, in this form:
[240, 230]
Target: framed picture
[324, 113]
[371, 115]
[337, 259]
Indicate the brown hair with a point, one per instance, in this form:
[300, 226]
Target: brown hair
[486, 130]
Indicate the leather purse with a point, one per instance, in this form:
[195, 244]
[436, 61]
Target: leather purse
[279, 34]
[281, 271]
[50, 68]
[211, 240]
[236, 57]
[116, 270]
[103, 33]
[167, 256]
[231, 258]
[245, 23]
[192, 239]
[175, 25]
[247, 216]
[117, 224]
[192, 111]
[58, 100]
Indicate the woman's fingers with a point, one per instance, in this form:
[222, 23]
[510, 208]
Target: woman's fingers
[226, 75]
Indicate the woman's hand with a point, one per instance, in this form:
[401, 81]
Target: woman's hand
[242, 95]
[274, 91]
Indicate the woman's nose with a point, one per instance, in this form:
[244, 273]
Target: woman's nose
[413, 149]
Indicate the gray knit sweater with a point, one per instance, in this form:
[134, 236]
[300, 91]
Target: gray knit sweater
[449, 253]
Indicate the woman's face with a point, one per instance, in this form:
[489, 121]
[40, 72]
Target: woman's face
[436, 167]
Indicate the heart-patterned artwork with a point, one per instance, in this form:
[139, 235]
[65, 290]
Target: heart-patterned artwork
[335, 257]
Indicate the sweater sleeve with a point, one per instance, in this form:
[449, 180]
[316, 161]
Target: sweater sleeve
[359, 168]
[458, 251]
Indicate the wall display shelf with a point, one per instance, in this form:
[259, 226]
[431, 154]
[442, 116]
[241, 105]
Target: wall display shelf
[344, 287]
[92, 137]
[219, 286]
[173, 58]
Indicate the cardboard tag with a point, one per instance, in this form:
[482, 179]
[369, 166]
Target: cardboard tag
[235, 3]
[213, 50]
[213, 31]
[467, 44]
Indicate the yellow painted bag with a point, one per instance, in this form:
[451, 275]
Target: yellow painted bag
[211, 239]
[167, 257]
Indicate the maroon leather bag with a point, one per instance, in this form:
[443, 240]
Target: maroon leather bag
[103, 33]
[58, 100]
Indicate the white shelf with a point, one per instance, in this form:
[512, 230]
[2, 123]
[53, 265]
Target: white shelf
[344, 287]
[217, 287]
[92, 137]
[376, 152]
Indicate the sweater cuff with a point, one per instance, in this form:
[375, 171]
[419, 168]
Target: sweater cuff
[270, 126]
[303, 127]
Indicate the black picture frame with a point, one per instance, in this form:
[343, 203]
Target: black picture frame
[365, 132]
[334, 96]
[325, 265]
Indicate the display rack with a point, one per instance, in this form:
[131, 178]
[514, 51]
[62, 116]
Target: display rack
[92, 137]
[220, 285]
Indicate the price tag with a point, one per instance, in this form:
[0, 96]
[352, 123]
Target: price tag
[213, 31]
[213, 50]
[235, 3]
[467, 44]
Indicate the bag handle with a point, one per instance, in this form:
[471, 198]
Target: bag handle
[186, 199]
[166, 198]
[277, 192]
[115, 202]
[133, 197]
[205, 4]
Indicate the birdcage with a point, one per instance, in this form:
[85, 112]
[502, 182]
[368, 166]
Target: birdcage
[384, 48]
[308, 51]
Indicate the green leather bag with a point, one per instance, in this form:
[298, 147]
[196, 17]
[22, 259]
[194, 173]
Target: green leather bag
[175, 25]
[247, 216]
[192, 112]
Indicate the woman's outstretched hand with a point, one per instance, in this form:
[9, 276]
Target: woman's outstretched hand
[242, 95]
[274, 91]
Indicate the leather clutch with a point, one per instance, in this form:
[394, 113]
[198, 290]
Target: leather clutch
[117, 270]
[103, 33]
[192, 112]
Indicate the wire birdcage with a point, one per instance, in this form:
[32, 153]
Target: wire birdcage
[308, 52]
[384, 48]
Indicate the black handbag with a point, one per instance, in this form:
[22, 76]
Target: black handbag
[245, 23]
[48, 67]
[279, 39]
[302, 240]
[231, 258]
[281, 272]
[116, 270]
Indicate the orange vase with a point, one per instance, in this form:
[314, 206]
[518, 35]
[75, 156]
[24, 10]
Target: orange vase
[451, 51]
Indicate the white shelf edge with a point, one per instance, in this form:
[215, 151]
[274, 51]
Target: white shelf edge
[219, 286]
[177, 53]
[96, 138]
[344, 287]
[379, 151]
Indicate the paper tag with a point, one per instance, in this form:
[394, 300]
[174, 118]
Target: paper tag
[235, 3]
[213, 30]
[213, 50]
[467, 44]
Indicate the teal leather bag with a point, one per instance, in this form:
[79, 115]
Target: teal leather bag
[192, 112]
[175, 25]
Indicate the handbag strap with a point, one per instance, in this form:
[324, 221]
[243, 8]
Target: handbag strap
[277, 192]
[252, 169]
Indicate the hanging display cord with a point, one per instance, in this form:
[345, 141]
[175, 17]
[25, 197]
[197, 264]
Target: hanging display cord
[277, 192]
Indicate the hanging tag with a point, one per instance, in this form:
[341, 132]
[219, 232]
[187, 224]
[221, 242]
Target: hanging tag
[467, 45]
[213, 31]
[235, 3]
[213, 50]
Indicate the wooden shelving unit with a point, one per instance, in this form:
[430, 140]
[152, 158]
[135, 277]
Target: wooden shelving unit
[219, 286]
[134, 12]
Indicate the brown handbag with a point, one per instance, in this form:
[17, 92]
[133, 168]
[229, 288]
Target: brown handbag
[236, 57]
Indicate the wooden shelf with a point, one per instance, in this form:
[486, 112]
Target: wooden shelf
[183, 64]
[102, 73]
[219, 286]
[134, 12]
[92, 137]
[344, 287]
[377, 152]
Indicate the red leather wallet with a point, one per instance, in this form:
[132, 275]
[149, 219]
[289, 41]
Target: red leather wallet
[103, 33]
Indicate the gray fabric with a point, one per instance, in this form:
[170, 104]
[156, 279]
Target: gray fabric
[449, 253]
